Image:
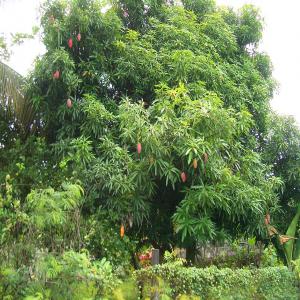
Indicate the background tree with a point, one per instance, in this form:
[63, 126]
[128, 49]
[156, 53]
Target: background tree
[281, 150]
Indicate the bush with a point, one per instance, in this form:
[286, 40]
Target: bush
[213, 283]
[69, 276]
[103, 240]
[270, 257]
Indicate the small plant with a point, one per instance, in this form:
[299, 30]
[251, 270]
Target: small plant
[290, 242]
[269, 257]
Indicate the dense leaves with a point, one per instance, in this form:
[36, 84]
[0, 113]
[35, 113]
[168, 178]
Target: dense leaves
[207, 97]
[182, 84]
[214, 283]
[160, 113]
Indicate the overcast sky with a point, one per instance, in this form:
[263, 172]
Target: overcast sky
[281, 40]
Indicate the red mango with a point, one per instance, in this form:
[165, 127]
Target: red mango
[183, 176]
[139, 148]
[70, 43]
[78, 37]
[69, 103]
[56, 74]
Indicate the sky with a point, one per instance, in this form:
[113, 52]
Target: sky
[281, 40]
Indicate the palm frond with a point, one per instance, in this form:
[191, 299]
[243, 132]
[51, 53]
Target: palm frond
[14, 106]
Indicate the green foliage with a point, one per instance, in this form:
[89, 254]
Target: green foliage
[103, 240]
[281, 146]
[173, 132]
[200, 7]
[69, 276]
[49, 219]
[237, 255]
[126, 290]
[184, 82]
[48, 207]
[181, 81]
[289, 246]
[270, 257]
[297, 267]
[213, 283]
[29, 163]
[16, 110]
[250, 27]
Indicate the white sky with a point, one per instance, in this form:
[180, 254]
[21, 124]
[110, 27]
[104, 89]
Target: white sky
[281, 40]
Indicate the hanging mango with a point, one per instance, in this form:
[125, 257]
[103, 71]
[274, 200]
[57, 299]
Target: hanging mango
[70, 43]
[183, 177]
[56, 74]
[122, 231]
[78, 37]
[195, 163]
[69, 103]
[139, 148]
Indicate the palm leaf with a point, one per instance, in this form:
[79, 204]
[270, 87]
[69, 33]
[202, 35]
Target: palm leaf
[14, 106]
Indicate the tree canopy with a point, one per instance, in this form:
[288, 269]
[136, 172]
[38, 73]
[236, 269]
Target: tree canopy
[161, 113]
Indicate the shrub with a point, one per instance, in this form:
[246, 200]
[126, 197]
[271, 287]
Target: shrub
[270, 257]
[103, 240]
[69, 276]
[213, 283]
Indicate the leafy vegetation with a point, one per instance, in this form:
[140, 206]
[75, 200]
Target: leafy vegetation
[214, 283]
[145, 124]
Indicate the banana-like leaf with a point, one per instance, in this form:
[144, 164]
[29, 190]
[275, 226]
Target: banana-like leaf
[14, 106]
[297, 250]
[291, 232]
